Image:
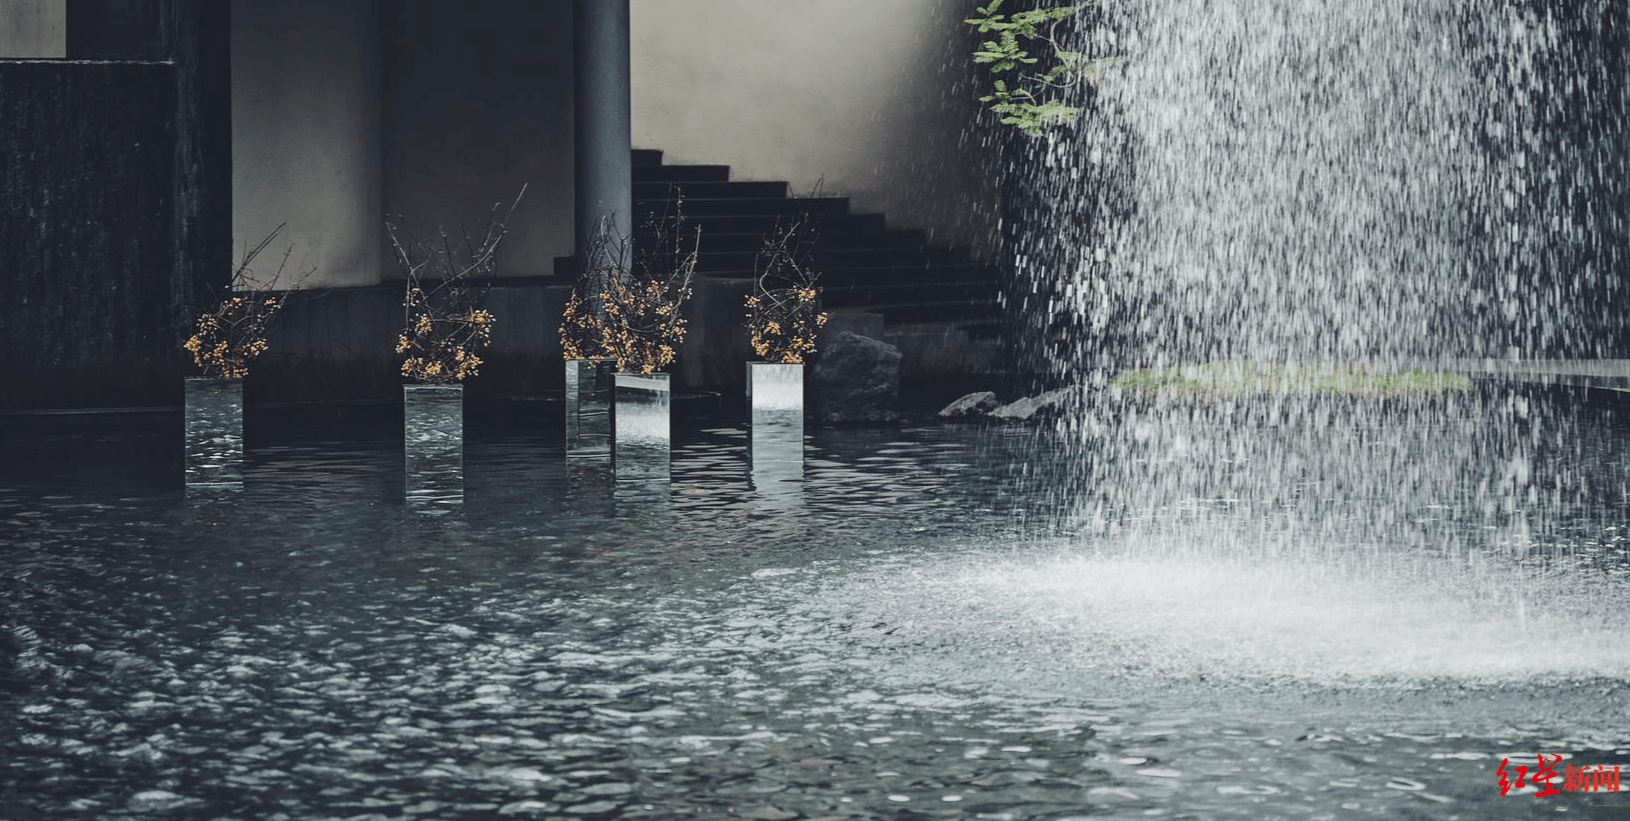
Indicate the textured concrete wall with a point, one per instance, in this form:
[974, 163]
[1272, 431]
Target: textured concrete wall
[33, 29]
[87, 250]
[193, 35]
[306, 134]
[868, 94]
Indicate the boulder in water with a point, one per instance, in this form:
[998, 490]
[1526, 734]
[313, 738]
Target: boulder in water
[856, 381]
[974, 404]
[1031, 408]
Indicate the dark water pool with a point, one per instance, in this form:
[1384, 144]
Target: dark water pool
[924, 627]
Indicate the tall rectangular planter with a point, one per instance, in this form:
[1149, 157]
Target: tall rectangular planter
[433, 442]
[775, 403]
[641, 421]
[588, 407]
[214, 432]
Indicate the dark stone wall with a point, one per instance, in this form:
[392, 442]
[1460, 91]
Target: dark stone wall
[195, 36]
[115, 215]
[87, 243]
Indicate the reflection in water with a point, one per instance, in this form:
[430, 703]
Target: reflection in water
[587, 475]
[433, 438]
[214, 430]
[568, 645]
[645, 503]
[778, 485]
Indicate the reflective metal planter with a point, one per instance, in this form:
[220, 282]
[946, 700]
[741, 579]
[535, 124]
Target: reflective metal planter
[588, 407]
[433, 441]
[641, 422]
[214, 432]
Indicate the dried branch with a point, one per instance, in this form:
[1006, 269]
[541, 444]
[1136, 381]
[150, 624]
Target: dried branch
[635, 317]
[444, 323]
[784, 316]
[232, 335]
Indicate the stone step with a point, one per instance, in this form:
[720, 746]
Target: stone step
[750, 206]
[752, 242]
[935, 310]
[907, 293]
[681, 173]
[851, 278]
[827, 258]
[831, 225]
[710, 190]
[890, 274]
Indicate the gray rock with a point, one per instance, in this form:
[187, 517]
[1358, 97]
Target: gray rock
[856, 380]
[1031, 408]
[974, 404]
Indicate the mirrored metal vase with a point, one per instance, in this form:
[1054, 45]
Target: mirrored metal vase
[775, 429]
[214, 432]
[775, 402]
[588, 407]
[640, 425]
[433, 438]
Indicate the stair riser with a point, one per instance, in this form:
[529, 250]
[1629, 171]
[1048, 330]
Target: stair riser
[751, 243]
[958, 312]
[711, 190]
[833, 258]
[846, 224]
[748, 207]
[681, 173]
[905, 295]
[844, 277]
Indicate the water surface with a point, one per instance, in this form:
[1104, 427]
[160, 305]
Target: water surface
[922, 627]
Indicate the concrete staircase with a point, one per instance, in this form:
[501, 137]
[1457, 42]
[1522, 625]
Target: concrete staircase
[938, 305]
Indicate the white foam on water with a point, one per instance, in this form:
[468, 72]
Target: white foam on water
[1312, 621]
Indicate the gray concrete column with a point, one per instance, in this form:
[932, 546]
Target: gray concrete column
[602, 129]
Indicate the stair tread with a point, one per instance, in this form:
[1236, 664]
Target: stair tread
[960, 283]
[985, 271]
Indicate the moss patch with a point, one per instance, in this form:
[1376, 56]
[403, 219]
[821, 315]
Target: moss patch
[1228, 380]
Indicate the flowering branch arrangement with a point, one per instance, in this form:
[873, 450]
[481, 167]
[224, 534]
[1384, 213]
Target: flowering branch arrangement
[444, 323]
[783, 312]
[626, 306]
[232, 335]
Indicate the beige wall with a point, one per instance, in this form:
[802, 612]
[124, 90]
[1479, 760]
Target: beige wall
[347, 110]
[305, 135]
[866, 93]
[33, 29]
[344, 111]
